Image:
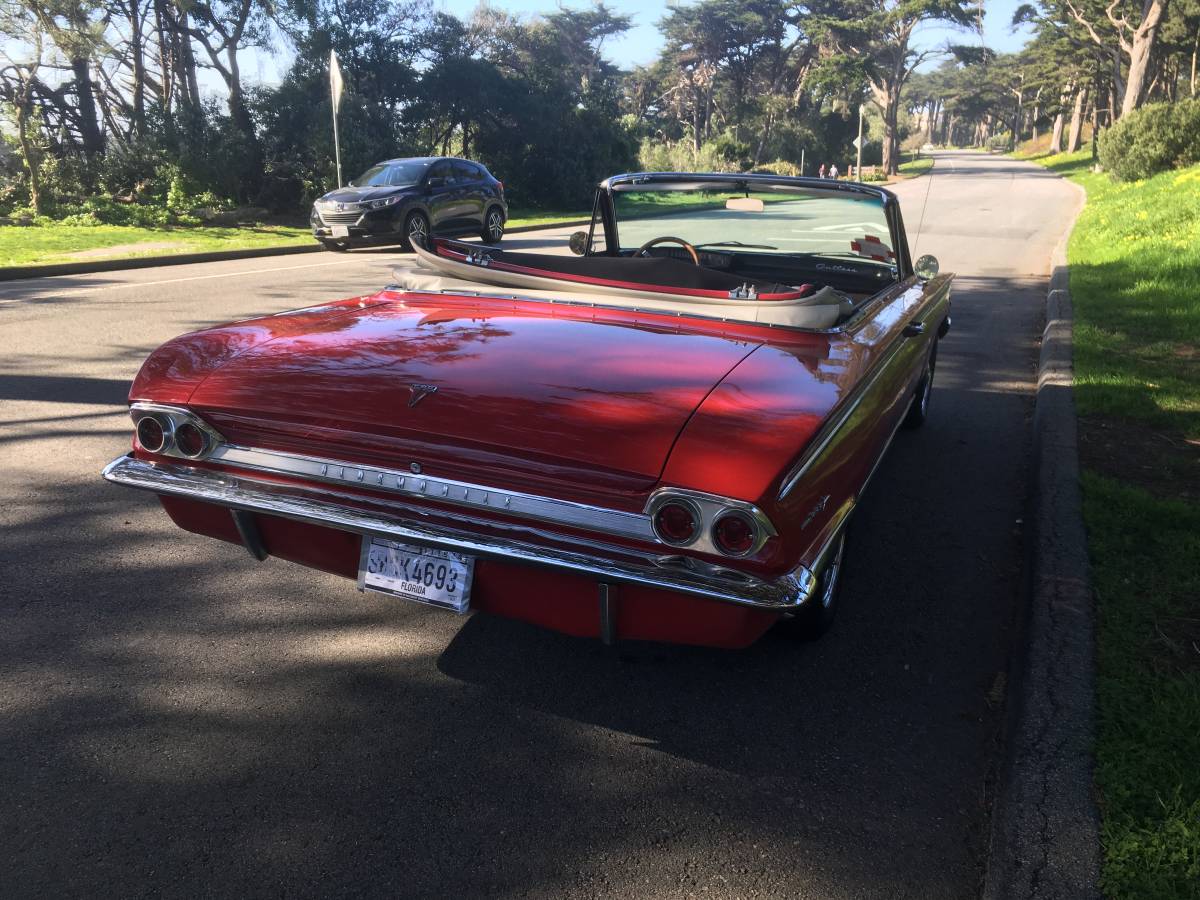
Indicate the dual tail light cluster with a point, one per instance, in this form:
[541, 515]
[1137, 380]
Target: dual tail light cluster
[173, 432]
[708, 523]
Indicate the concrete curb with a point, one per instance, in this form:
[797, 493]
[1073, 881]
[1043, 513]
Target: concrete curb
[17, 273]
[1045, 840]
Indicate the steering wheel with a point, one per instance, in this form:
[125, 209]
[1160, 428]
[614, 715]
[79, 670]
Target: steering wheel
[669, 240]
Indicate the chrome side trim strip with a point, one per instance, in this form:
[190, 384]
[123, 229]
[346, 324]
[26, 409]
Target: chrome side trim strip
[443, 490]
[606, 564]
[834, 425]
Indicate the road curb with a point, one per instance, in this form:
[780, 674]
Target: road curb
[19, 273]
[1045, 839]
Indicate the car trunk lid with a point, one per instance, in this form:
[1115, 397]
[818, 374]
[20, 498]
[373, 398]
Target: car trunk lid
[462, 383]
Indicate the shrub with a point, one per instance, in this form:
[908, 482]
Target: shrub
[130, 168]
[1152, 139]
[779, 167]
[678, 156]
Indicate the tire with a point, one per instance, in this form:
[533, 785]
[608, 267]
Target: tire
[416, 228]
[493, 226]
[816, 616]
[335, 246]
[918, 410]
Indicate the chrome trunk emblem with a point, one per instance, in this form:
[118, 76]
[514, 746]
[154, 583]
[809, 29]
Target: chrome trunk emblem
[420, 392]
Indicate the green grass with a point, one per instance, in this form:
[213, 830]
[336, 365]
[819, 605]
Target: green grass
[1145, 556]
[918, 166]
[1135, 283]
[41, 244]
[1135, 286]
[648, 204]
[518, 218]
[33, 245]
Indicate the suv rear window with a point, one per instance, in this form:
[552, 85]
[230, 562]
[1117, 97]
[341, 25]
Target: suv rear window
[465, 171]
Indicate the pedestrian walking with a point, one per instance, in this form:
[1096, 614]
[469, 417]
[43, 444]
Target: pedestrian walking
[821, 171]
[833, 172]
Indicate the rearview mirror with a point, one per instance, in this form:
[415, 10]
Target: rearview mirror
[926, 267]
[744, 204]
[579, 243]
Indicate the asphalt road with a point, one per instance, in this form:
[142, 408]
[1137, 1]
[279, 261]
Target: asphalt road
[178, 720]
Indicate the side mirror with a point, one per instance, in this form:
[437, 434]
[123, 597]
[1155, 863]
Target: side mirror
[579, 243]
[926, 267]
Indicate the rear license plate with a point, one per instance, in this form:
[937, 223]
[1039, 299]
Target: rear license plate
[341, 230]
[437, 577]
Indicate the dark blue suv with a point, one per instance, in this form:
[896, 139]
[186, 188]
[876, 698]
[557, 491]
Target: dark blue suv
[406, 200]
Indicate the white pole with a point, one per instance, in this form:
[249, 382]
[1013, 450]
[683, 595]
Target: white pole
[858, 168]
[337, 147]
[336, 87]
[801, 161]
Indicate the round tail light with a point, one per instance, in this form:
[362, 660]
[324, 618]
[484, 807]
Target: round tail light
[676, 523]
[190, 440]
[735, 534]
[152, 434]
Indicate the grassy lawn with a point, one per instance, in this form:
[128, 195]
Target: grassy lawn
[38, 244]
[518, 218]
[44, 244]
[1135, 285]
[918, 166]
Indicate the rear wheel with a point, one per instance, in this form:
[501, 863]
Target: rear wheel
[493, 226]
[918, 410]
[416, 230]
[813, 619]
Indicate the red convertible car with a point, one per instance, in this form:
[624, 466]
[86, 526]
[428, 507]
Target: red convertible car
[661, 437]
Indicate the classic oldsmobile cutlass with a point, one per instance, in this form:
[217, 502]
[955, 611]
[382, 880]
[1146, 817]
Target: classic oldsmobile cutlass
[660, 438]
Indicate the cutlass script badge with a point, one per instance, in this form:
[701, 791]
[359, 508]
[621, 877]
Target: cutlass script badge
[420, 392]
[812, 513]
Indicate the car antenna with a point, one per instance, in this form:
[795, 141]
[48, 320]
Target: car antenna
[921, 221]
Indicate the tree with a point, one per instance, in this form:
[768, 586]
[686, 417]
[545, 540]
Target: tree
[873, 38]
[17, 80]
[224, 28]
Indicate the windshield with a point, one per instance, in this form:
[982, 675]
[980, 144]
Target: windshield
[392, 174]
[790, 221]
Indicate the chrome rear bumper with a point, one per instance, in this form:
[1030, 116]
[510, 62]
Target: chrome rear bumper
[349, 512]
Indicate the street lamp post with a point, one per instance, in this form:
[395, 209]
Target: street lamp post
[858, 167]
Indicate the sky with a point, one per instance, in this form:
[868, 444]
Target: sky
[642, 42]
